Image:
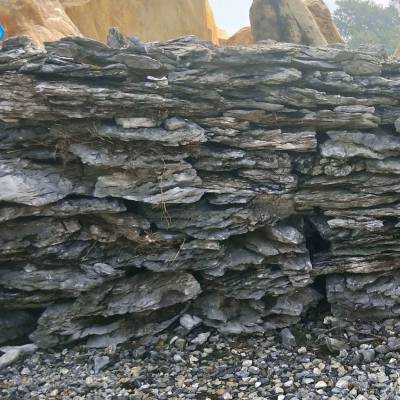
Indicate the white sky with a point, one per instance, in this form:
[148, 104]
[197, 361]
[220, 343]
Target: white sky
[232, 15]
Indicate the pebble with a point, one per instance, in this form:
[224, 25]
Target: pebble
[256, 367]
[394, 343]
[99, 363]
[342, 383]
[368, 355]
[335, 345]
[382, 349]
[177, 358]
[180, 344]
[302, 350]
[201, 338]
[288, 339]
[247, 363]
[189, 322]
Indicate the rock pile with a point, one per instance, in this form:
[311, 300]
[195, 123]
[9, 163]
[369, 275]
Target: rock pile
[178, 365]
[243, 183]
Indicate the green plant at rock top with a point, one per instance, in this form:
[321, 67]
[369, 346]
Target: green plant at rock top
[365, 22]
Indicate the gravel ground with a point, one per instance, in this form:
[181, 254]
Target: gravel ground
[330, 360]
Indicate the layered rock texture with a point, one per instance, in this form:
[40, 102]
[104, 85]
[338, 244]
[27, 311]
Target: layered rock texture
[295, 21]
[149, 20]
[241, 185]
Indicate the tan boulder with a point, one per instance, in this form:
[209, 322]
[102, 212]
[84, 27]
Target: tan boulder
[323, 17]
[222, 35]
[285, 21]
[243, 37]
[149, 20]
[43, 20]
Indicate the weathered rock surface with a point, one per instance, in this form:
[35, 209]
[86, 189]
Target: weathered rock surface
[231, 184]
[43, 20]
[243, 37]
[288, 21]
[323, 18]
[285, 21]
[147, 20]
[295, 21]
[50, 20]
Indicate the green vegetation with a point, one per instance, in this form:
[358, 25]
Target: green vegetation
[364, 22]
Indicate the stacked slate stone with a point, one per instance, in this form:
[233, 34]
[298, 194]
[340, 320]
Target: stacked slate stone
[242, 185]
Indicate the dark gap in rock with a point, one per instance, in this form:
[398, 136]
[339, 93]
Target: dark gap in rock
[320, 285]
[315, 243]
[274, 268]
[390, 221]
[198, 276]
[24, 338]
[322, 137]
[323, 307]
[90, 81]
[153, 227]
[131, 272]
[55, 161]
[4, 204]
[131, 206]
[269, 301]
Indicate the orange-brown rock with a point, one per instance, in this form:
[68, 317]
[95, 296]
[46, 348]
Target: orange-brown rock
[243, 37]
[43, 20]
[285, 21]
[149, 20]
[323, 18]
[223, 36]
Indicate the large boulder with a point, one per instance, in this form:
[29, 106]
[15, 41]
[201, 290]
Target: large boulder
[288, 21]
[323, 18]
[285, 21]
[149, 20]
[43, 20]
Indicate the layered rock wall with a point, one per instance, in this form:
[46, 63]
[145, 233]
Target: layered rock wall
[242, 185]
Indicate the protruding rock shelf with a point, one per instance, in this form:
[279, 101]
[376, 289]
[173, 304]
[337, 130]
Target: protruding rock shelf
[241, 185]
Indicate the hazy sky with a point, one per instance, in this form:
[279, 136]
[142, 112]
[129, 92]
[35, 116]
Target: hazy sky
[232, 15]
